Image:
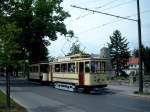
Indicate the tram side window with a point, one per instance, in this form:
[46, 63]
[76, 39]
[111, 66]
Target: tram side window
[87, 67]
[98, 64]
[44, 68]
[71, 67]
[30, 69]
[34, 69]
[93, 67]
[64, 67]
[103, 67]
[57, 67]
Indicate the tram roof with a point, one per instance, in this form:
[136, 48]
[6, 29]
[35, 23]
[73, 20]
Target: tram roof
[72, 58]
[40, 63]
[79, 57]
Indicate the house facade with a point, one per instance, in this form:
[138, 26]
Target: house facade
[133, 66]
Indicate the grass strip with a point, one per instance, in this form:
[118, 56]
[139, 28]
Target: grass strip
[14, 106]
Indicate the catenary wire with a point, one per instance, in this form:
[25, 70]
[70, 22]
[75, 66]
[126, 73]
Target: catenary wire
[111, 22]
[112, 7]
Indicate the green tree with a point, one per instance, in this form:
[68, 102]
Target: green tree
[145, 58]
[75, 49]
[38, 19]
[4, 7]
[119, 51]
[135, 52]
[8, 47]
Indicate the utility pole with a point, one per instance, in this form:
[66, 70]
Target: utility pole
[140, 49]
[139, 36]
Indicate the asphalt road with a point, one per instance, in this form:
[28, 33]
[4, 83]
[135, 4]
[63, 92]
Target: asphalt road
[37, 98]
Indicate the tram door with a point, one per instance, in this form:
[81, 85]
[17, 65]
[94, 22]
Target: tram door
[81, 73]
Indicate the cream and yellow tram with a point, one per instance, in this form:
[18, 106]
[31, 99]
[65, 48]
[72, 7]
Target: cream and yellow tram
[79, 72]
[40, 72]
[76, 72]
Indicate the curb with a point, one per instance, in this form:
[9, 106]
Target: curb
[141, 96]
[136, 95]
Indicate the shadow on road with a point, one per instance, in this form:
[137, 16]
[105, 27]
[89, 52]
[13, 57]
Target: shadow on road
[18, 82]
[103, 91]
[23, 83]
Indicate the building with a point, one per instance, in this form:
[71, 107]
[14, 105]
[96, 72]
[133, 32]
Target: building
[133, 66]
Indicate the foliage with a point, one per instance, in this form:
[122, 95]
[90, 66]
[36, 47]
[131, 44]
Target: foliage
[51, 58]
[145, 58]
[76, 49]
[4, 7]
[135, 52]
[119, 51]
[38, 19]
[8, 46]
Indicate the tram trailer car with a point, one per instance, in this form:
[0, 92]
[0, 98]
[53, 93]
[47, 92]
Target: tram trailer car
[40, 72]
[73, 73]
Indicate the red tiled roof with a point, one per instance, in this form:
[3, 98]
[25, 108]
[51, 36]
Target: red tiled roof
[133, 61]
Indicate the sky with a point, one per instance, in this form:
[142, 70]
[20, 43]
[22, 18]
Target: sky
[93, 31]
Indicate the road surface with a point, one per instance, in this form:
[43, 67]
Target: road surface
[37, 98]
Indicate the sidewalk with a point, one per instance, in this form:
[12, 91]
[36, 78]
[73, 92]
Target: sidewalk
[127, 90]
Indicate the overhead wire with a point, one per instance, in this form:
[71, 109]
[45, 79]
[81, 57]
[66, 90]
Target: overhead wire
[111, 2]
[118, 5]
[82, 3]
[112, 7]
[106, 4]
[111, 22]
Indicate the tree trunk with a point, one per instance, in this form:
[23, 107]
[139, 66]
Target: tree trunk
[8, 87]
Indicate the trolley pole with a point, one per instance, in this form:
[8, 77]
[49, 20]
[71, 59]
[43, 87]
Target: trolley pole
[140, 49]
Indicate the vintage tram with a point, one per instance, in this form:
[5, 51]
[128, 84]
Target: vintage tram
[84, 72]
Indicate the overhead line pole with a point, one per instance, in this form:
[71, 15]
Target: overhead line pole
[140, 49]
[139, 37]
